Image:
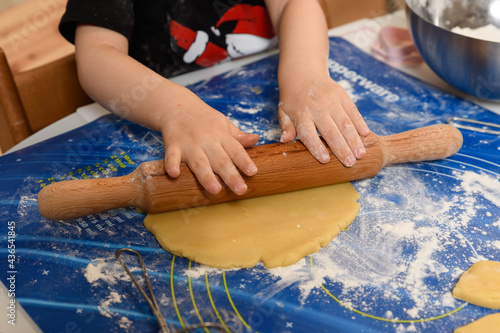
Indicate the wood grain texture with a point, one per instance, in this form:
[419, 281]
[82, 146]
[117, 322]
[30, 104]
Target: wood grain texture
[282, 168]
[29, 34]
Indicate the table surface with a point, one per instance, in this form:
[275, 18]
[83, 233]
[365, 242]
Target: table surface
[361, 34]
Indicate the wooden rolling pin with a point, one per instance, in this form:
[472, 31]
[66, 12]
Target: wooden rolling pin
[282, 168]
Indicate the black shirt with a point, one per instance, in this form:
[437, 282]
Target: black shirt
[176, 36]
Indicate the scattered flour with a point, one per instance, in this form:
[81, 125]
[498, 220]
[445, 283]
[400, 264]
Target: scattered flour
[482, 184]
[489, 32]
[403, 253]
[249, 110]
[124, 323]
[268, 132]
[110, 273]
[400, 257]
[94, 273]
[410, 236]
[104, 306]
[100, 270]
[200, 271]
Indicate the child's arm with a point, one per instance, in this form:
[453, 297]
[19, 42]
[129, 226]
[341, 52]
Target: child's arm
[310, 100]
[192, 131]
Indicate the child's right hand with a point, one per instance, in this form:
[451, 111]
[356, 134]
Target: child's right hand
[192, 131]
[208, 143]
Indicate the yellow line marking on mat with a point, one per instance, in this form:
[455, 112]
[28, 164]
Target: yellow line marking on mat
[193, 301]
[399, 321]
[213, 304]
[173, 293]
[232, 303]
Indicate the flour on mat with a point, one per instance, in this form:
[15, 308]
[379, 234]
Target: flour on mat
[107, 272]
[100, 270]
[124, 323]
[200, 271]
[404, 237]
[483, 185]
[269, 132]
[94, 273]
[104, 306]
[243, 108]
[402, 254]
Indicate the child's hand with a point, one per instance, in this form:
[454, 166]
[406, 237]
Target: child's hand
[323, 106]
[192, 131]
[209, 143]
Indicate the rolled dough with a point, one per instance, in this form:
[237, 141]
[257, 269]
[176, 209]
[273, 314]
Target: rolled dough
[278, 230]
[487, 324]
[480, 285]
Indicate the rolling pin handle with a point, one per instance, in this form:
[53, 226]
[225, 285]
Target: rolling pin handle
[76, 198]
[428, 143]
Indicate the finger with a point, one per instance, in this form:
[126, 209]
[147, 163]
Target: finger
[237, 152]
[336, 141]
[356, 117]
[240, 158]
[223, 165]
[199, 164]
[247, 140]
[350, 134]
[172, 161]
[288, 131]
[310, 138]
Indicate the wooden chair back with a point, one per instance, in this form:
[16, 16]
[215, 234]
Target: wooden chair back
[34, 99]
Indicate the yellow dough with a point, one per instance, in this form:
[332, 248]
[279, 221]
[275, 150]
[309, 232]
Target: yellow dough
[487, 324]
[480, 285]
[278, 230]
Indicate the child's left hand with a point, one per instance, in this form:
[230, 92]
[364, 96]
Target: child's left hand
[321, 105]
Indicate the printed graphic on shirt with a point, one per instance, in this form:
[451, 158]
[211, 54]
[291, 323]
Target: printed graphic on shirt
[241, 30]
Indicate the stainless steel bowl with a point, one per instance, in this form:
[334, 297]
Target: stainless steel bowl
[472, 65]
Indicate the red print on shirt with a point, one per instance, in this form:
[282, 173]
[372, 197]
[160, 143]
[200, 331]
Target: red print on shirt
[252, 33]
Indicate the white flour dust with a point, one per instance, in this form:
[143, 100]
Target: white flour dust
[488, 32]
[104, 306]
[267, 132]
[483, 185]
[105, 309]
[100, 270]
[243, 108]
[413, 238]
[106, 272]
[124, 323]
[407, 234]
[199, 271]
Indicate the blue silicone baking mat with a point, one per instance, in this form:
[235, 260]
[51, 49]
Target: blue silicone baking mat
[421, 225]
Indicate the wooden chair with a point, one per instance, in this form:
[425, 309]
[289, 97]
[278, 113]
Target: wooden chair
[33, 99]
